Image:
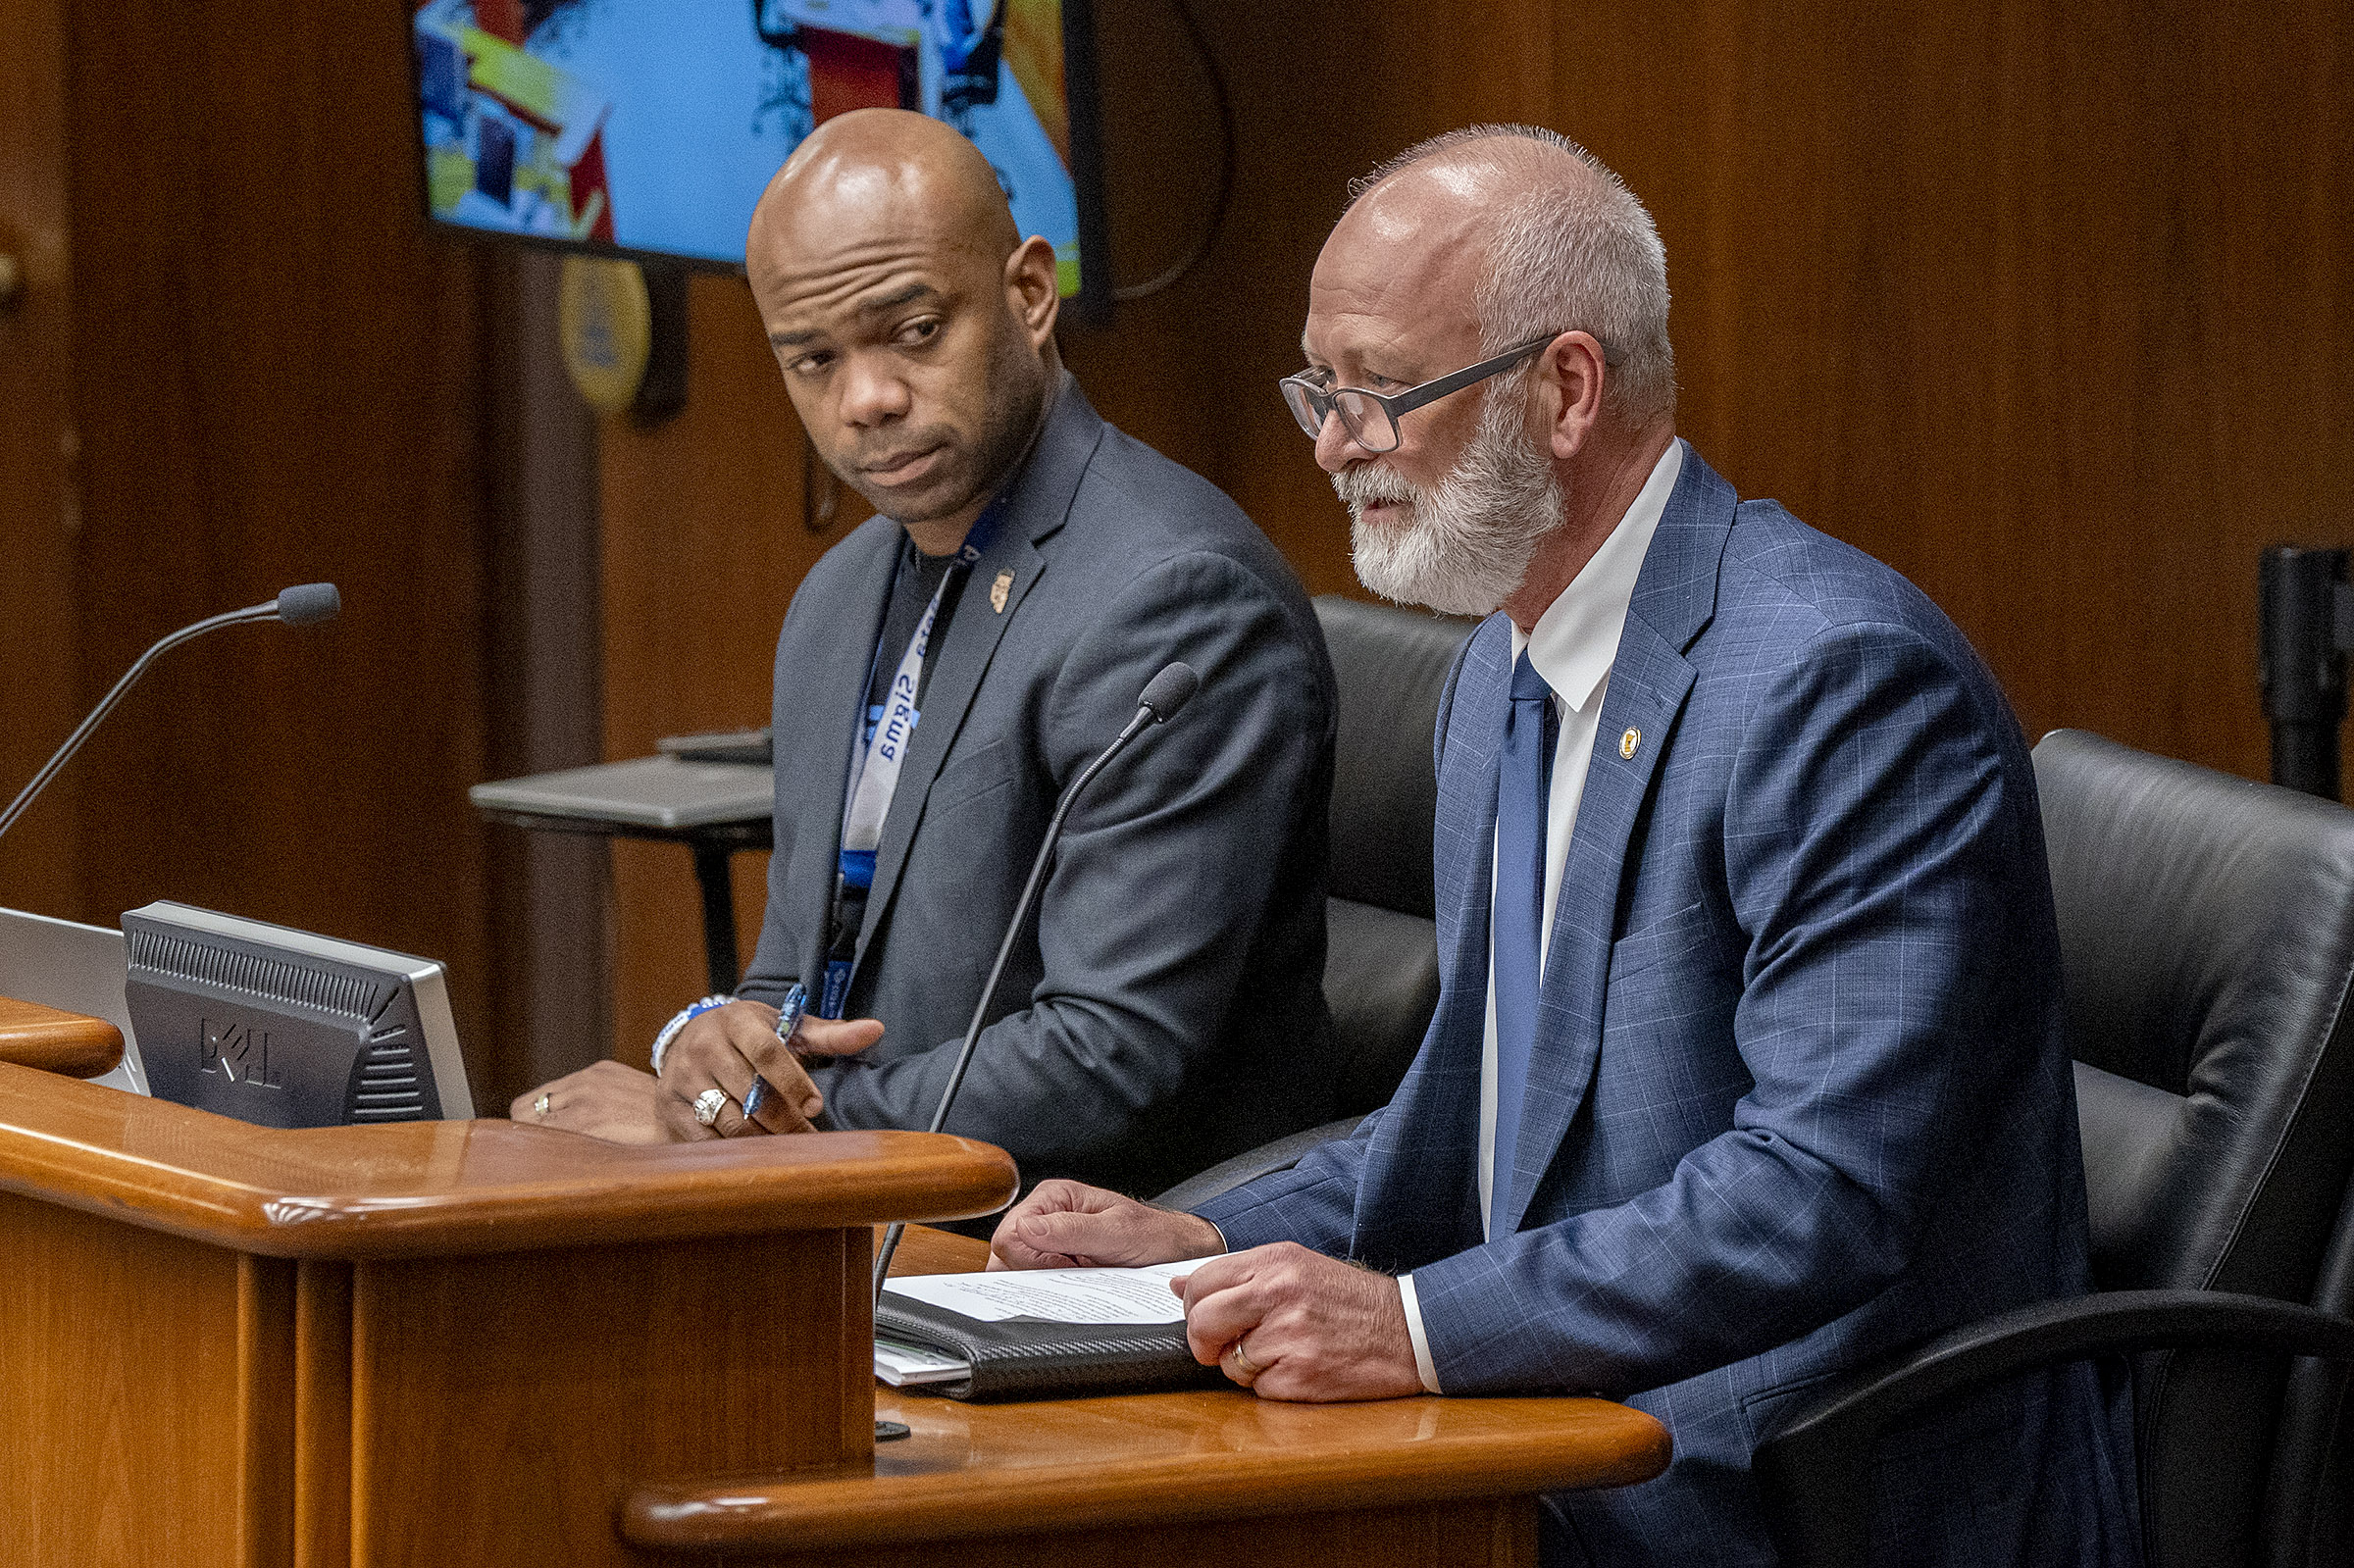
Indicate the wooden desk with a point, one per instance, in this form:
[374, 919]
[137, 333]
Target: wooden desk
[1195, 1479]
[34, 1035]
[472, 1342]
[433, 1344]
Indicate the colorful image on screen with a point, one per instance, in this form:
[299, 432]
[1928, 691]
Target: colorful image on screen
[652, 125]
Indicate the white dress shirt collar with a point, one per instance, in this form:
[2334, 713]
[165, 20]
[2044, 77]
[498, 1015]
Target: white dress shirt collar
[1576, 638]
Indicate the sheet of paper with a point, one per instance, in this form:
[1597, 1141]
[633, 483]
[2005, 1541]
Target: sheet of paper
[903, 1365]
[1056, 1295]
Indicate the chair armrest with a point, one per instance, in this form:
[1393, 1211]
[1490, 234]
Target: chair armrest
[1814, 1472]
[1278, 1154]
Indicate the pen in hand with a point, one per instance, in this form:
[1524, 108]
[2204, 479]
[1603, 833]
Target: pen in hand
[789, 1020]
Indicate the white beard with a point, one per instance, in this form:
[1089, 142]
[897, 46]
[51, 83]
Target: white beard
[1463, 546]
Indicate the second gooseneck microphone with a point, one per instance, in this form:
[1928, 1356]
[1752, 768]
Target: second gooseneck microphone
[305, 604]
[1163, 696]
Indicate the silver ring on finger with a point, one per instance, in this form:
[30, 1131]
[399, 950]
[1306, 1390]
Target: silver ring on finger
[1243, 1362]
[708, 1104]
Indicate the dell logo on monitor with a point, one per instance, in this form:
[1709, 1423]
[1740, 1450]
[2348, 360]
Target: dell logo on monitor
[336, 1034]
[239, 1051]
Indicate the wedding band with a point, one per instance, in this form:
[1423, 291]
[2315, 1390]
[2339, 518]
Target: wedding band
[708, 1104]
[540, 1107]
[1244, 1364]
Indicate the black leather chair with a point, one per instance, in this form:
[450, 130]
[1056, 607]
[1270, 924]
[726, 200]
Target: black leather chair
[2207, 936]
[1381, 966]
[2309, 1514]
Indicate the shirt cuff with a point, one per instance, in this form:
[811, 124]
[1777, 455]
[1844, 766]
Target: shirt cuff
[1413, 1331]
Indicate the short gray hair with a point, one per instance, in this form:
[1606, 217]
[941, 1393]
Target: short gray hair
[1567, 253]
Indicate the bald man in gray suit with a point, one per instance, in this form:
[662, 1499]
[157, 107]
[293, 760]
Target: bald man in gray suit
[942, 677]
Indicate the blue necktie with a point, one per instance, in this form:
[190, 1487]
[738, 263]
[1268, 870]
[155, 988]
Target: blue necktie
[1522, 795]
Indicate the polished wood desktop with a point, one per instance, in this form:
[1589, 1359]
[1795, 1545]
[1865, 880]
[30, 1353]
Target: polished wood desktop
[79, 1046]
[478, 1342]
[1201, 1478]
[438, 1344]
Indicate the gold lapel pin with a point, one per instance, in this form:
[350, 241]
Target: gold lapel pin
[998, 590]
[1628, 743]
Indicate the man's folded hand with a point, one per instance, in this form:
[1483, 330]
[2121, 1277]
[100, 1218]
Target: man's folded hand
[1068, 1225]
[603, 1099]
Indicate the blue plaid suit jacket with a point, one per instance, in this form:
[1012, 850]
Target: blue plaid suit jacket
[1799, 1094]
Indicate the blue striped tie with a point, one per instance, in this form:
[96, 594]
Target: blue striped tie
[1522, 795]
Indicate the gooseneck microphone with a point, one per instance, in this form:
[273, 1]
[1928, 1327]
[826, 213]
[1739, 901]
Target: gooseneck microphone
[305, 604]
[1163, 696]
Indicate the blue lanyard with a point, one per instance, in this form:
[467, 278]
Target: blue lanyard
[886, 729]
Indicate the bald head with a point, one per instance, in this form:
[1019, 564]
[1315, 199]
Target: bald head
[914, 326]
[1491, 160]
[1560, 243]
[926, 177]
[1465, 181]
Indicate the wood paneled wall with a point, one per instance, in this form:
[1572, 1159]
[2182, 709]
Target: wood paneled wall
[270, 375]
[39, 510]
[2050, 306]
[1321, 92]
[550, 894]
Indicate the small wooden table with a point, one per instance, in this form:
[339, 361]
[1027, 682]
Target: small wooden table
[1198, 1478]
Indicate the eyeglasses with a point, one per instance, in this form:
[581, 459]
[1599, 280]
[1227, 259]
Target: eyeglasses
[1370, 417]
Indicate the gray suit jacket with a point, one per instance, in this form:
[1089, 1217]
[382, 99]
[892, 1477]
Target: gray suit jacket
[1164, 1008]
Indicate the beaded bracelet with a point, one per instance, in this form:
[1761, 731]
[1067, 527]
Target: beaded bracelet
[680, 1020]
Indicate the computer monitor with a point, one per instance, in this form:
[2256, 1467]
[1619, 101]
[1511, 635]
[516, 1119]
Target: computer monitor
[282, 1027]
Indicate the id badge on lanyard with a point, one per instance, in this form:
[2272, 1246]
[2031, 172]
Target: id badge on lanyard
[884, 752]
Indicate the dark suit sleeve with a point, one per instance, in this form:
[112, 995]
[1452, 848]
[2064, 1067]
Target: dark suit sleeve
[779, 953]
[1872, 857]
[775, 964]
[1165, 871]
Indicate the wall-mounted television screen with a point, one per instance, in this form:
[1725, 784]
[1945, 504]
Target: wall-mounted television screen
[650, 127]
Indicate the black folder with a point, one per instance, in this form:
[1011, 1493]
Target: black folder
[1031, 1358]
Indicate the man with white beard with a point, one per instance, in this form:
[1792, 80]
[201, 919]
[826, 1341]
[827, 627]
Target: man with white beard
[1746, 1064]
